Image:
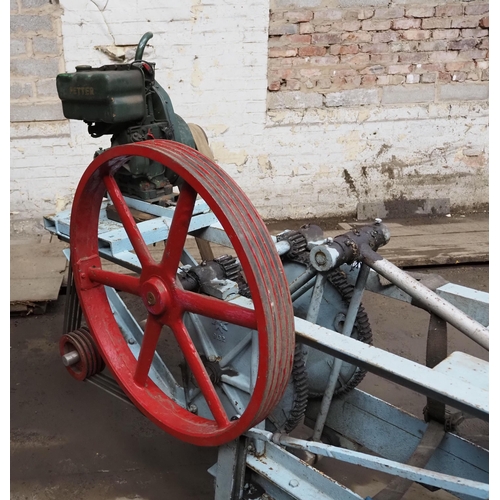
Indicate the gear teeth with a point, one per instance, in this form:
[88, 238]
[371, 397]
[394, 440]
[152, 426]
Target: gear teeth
[231, 268]
[364, 332]
[232, 271]
[299, 376]
[296, 240]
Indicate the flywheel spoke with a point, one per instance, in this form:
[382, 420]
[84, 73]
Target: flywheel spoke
[148, 348]
[178, 230]
[128, 222]
[120, 282]
[200, 373]
[217, 309]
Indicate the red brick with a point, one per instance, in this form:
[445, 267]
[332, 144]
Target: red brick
[432, 23]
[467, 55]
[306, 28]
[326, 38]
[403, 46]
[275, 52]
[384, 58]
[296, 39]
[385, 36]
[484, 43]
[442, 56]
[375, 48]
[338, 81]
[335, 50]
[280, 28]
[477, 9]
[328, 15]
[353, 80]
[298, 16]
[389, 13]
[416, 34]
[460, 66]
[466, 44]
[322, 28]
[474, 33]
[372, 25]
[419, 11]
[406, 24]
[445, 34]
[368, 80]
[346, 26]
[273, 86]
[433, 46]
[443, 77]
[465, 22]
[365, 14]
[383, 79]
[350, 15]
[485, 22]
[428, 78]
[355, 59]
[312, 50]
[358, 37]
[349, 49]
[413, 57]
[449, 10]
[398, 69]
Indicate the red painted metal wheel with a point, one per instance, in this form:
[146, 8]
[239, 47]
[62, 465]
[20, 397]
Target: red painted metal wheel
[166, 302]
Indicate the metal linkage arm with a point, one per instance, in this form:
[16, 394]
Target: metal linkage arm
[427, 298]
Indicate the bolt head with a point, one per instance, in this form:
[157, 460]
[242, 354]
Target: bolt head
[293, 483]
[151, 299]
[320, 258]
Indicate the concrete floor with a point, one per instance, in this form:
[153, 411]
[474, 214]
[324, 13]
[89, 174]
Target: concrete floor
[70, 440]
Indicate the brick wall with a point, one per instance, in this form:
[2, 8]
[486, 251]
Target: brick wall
[301, 159]
[35, 59]
[375, 52]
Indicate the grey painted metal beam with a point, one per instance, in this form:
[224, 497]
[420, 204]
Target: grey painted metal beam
[394, 434]
[463, 395]
[416, 474]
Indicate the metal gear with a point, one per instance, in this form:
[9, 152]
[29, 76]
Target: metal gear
[296, 240]
[336, 304]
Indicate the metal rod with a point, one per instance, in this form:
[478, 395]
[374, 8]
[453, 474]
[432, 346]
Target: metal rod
[432, 302]
[302, 279]
[349, 321]
[301, 291]
[417, 474]
[317, 297]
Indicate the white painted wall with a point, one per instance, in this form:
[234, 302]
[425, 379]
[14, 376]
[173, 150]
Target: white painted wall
[212, 59]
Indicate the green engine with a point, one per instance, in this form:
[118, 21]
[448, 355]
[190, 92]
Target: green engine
[125, 101]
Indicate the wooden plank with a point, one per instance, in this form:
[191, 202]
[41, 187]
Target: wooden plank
[457, 248]
[36, 271]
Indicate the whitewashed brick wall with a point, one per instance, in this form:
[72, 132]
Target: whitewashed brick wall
[298, 161]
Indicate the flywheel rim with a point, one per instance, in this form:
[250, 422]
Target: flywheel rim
[272, 315]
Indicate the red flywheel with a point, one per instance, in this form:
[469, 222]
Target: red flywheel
[166, 303]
